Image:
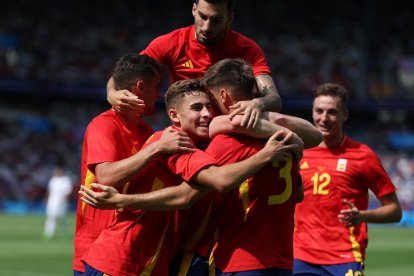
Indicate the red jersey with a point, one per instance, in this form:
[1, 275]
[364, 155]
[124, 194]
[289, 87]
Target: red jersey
[107, 139]
[255, 230]
[143, 242]
[186, 58]
[330, 175]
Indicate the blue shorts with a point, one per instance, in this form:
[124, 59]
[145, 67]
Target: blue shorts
[78, 273]
[90, 271]
[189, 264]
[346, 269]
[258, 272]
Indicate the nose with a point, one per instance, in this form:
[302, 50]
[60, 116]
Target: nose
[206, 26]
[324, 116]
[205, 112]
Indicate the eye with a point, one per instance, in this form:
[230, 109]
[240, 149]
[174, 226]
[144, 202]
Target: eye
[333, 112]
[197, 107]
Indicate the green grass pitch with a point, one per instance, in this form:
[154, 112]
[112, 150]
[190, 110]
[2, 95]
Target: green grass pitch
[23, 252]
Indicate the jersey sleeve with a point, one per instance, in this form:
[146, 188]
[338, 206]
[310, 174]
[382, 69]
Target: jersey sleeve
[378, 179]
[226, 149]
[258, 62]
[101, 137]
[256, 57]
[188, 164]
[157, 49]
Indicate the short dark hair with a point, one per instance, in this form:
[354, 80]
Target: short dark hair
[334, 90]
[181, 88]
[230, 3]
[231, 72]
[131, 67]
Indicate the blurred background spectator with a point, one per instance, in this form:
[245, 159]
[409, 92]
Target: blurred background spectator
[56, 56]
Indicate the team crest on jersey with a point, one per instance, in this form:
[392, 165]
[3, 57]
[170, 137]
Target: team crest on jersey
[341, 166]
[188, 64]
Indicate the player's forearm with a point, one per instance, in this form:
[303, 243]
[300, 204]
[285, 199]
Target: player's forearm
[110, 90]
[222, 125]
[385, 214]
[268, 98]
[310, 135]
[116, 174]
[228, 177]
[171, 198]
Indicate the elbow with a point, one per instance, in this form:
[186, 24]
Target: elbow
[220, 186]
[106, 180]
[314, 140]
[398, 215]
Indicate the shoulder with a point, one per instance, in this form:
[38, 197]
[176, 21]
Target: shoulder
[359, 147]
[154, 137]
[242, 39]
[106, 119]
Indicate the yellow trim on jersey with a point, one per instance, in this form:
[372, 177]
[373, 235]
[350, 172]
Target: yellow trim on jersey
[185, 263]
[211, 262]
[148, 270]
[356, 248]
[157, 184]
[90, 177]
[244, 195]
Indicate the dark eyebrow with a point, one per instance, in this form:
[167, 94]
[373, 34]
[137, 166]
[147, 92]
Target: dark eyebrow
[213, 17]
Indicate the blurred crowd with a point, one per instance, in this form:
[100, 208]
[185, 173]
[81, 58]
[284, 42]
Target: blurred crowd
[47, 47]
[368, 46]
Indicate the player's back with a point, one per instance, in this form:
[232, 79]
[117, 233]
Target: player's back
[256, 224]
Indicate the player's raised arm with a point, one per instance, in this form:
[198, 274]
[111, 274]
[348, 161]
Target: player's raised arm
[268, 100]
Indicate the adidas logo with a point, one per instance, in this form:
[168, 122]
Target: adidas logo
[304, 165]
[188, 64]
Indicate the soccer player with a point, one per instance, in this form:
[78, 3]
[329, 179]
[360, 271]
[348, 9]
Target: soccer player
[111, 150]
[143, 242]
[255, 225]
[58, 191]
[188, 52]
[331, 223]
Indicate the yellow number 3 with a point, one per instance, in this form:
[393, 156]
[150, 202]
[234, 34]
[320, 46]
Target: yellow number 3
[284, 173]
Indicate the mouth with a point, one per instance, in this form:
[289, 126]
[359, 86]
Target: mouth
[205, 36]
[324, 128]
[204, 124]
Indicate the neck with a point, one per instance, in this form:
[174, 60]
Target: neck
[333, 142]
[127, 119]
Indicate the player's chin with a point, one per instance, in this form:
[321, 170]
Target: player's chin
[202, 132]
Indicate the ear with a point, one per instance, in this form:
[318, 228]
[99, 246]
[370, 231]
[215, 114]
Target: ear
[138, 88]
[230, 19]
[194, 11]
[223, 95]
[174, 116]
[346, 113]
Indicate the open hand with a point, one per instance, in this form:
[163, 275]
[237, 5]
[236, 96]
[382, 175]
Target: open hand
[173, 141]
[108, 198]
[351, 216]
[126, 103]
[250, 110]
